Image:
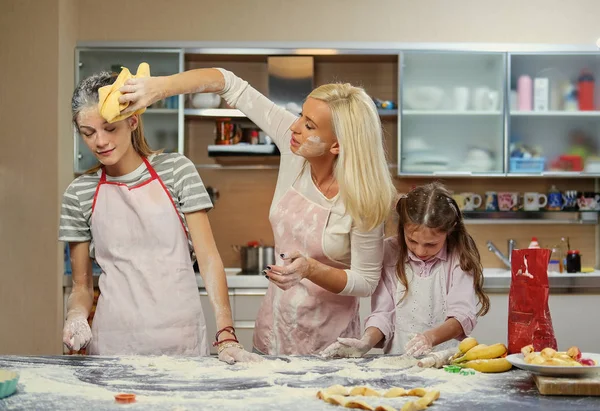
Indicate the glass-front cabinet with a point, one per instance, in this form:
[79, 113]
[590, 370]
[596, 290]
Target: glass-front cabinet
[162, 121]
[554, 122]
[452, 116]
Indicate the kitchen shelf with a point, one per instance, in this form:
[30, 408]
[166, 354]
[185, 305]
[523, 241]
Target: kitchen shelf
[234, 113]
[387, 113]
[243, 150]
[531, 217]
[470, 174]
[214, 112]
[237, 166]
[594, 113]
[450, 113]
[161, 111]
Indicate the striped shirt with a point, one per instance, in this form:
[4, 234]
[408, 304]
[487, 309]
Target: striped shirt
[176, 171]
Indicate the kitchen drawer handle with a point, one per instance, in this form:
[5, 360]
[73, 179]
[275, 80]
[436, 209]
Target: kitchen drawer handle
[205, 293]
[244, 325]
[257, 293]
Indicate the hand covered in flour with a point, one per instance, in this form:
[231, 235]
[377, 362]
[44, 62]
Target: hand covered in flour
[419, 345]
[291, 274]
[142, 92]
[77, 333]
[231, 355]
[347, 348]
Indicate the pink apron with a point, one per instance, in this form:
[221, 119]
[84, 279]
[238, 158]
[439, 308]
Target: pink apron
[149, 302]
[306, 318]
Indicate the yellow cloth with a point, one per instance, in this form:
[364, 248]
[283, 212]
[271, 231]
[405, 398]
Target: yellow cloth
[108, 96]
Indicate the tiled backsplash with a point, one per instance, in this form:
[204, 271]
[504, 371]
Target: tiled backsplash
[241, 214]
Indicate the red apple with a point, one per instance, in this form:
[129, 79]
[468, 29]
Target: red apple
[587, 362]
[574, 353]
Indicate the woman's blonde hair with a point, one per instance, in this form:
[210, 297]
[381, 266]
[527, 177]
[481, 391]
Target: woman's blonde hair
[86, 96]
[432, 206]
[361, 170]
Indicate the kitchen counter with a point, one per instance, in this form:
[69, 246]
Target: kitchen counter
[285, 383]
[496, 280]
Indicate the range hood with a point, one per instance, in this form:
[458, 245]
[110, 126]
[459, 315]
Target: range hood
[291, 79]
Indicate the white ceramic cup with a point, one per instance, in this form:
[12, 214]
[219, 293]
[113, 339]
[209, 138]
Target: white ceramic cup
[485, 99]
[534, 201]
[472, 201]
[461, 98]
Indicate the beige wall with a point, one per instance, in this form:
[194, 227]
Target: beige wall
[528, 21]
[36, 52]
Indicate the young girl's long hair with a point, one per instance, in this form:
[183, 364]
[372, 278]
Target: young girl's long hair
[432, 206]
[86, 96]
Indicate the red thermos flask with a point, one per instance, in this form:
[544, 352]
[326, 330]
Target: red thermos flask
[585, 91]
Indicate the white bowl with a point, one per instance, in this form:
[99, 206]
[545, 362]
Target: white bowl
[206, 100]
[423, 97]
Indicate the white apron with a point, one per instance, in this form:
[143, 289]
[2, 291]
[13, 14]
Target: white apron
[149, 302]
[306, 318]
[423, 308]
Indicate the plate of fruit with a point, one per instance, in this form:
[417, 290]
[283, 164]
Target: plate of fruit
[554, 363]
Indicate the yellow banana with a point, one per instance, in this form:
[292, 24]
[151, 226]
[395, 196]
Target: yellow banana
[489, 365]
[482, 352]
[460, 354]
[466, 344]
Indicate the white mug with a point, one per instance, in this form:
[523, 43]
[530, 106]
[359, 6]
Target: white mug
[534, 201]
[461, 98]
[485, 99]
[472, 201]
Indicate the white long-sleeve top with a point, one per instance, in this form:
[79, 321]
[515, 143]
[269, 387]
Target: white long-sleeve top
[361, 252]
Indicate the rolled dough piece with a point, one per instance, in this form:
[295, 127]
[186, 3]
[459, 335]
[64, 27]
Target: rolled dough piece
[363, 391]
[395, 392]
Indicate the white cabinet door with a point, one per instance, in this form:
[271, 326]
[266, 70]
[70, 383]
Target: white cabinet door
[163, 121]
[209, 317]
[573, 317]
[452, 113]
[365, 311]
[247, 303]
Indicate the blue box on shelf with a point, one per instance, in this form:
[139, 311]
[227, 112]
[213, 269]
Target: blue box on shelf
[527, 165]
[68, 269]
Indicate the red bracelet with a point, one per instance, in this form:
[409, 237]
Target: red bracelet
[228, 328]
[216, 343]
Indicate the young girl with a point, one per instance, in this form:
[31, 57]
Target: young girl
[432, 280]
[141, 215]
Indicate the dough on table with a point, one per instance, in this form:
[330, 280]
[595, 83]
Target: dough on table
[336, 395]
[364, 391]
[395, 392]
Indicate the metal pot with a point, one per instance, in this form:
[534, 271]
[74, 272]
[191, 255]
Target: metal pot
[254, 259]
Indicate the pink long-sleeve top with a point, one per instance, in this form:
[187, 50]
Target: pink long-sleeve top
[461, 301]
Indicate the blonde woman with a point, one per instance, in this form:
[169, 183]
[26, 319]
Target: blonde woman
[333, 194]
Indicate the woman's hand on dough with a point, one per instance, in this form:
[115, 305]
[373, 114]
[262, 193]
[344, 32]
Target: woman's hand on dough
[347, 348]
[232, 355]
